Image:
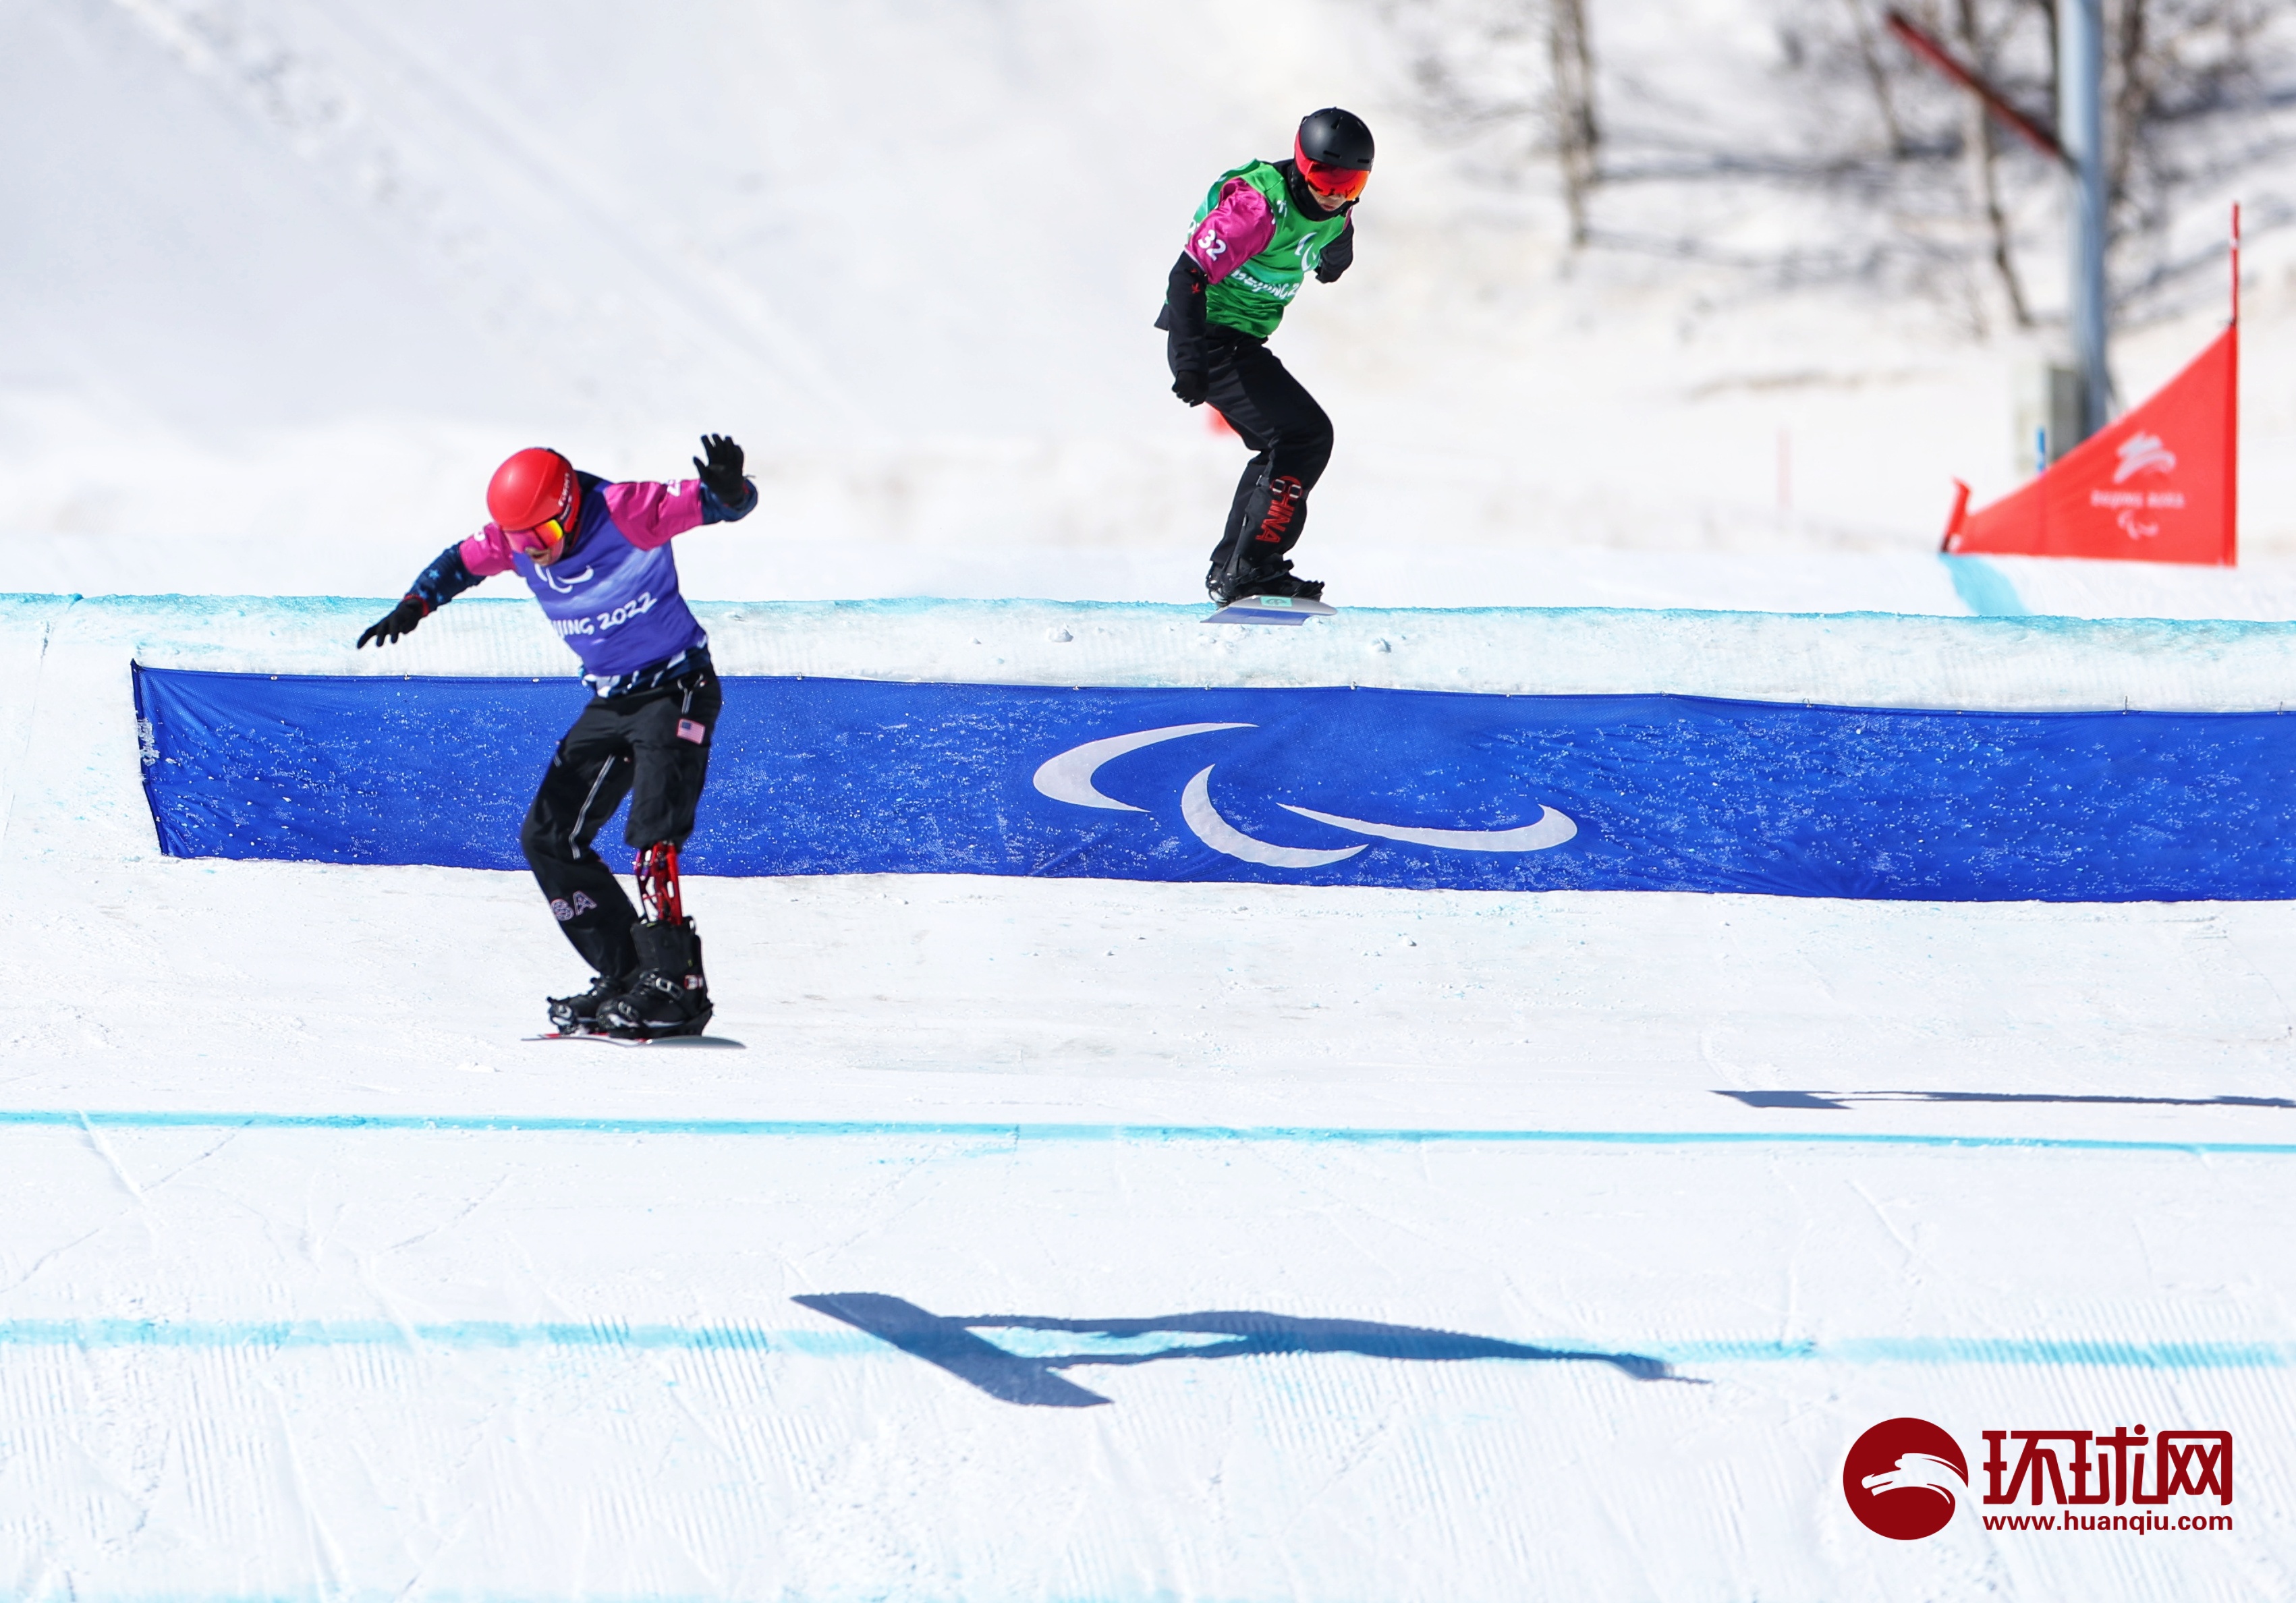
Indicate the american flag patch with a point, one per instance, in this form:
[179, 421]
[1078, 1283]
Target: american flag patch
[688, 730]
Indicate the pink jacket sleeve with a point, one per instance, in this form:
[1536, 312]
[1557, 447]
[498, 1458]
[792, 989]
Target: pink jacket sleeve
[1234, 231]
[488, 551]
[653, 515]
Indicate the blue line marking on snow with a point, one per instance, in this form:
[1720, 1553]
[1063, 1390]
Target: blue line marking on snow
[496, 1334]
[470, 1335]
[1983, 588]
[1962, 1350]
[1014, 1134]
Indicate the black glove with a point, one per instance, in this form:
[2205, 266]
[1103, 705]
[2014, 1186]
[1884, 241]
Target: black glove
[1339, 256]
[401, 620]
[1183, 319]
[721, 474]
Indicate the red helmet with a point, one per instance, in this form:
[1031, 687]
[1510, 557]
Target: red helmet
[533, 487]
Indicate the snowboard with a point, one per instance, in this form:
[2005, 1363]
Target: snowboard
[635, 1040]
[1270, 609]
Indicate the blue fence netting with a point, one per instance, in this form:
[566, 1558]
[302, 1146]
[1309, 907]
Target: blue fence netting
[1408, 789]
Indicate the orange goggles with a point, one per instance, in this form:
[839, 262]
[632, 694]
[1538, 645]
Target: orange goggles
[542, 536]
[1334, 182]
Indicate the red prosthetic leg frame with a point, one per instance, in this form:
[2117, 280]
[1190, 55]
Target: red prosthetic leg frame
[658, 892]
[670, 996]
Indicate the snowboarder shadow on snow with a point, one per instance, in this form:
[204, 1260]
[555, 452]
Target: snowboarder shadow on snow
[949, 1343]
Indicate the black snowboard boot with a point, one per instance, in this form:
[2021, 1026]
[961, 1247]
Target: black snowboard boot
[669, 996]
[1274, 580]
[578, 1015]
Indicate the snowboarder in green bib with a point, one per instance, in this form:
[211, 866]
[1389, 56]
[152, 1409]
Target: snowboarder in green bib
[1259, 233]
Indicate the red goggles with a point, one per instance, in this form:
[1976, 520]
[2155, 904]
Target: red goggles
[549, 531]
[1334, 182]
[542, 536]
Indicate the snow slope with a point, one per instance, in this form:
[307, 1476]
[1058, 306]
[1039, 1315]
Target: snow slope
[1625, 1213]
[286, 280]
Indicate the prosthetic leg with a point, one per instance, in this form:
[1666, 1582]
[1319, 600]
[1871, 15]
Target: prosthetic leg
[669, 996]
[1261, 529]
[1291, 439]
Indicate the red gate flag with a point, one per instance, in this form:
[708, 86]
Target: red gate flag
[2156, 486]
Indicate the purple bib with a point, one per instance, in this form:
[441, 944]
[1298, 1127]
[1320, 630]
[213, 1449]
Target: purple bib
[617, 606]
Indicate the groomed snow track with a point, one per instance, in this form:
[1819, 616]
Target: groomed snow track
[1107, 1239]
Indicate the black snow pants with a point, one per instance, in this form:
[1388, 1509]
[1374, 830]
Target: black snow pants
[1291, 439]
[652, 746]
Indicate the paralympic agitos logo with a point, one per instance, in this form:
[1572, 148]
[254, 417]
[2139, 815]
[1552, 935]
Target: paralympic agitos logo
[1905, 1478]
[1068, 777]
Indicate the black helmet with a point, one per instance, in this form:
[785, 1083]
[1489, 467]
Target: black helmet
[1332, 137]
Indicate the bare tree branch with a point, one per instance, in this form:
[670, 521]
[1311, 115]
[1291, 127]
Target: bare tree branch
[1577, 138]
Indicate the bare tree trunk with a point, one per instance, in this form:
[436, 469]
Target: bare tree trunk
[1997, 220]
[1878, 77]
[1578, 139]
[2131, 99]
[1983, 153]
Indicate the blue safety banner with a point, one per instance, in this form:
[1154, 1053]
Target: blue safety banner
[1318, 787]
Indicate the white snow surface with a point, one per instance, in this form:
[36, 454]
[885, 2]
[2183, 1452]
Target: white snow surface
[468, 1354]
[1855, 659]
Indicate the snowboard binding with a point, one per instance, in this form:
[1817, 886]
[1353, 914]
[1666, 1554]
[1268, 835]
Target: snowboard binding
[578, 1015]
[669, 995]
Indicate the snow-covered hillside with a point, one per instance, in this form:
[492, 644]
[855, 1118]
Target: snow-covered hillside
[286, 280]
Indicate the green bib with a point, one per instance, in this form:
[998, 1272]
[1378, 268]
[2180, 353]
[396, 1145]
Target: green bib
[1252, 298]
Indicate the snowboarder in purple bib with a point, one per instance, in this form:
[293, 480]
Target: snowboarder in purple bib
[1261, 230]
[596, 555]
